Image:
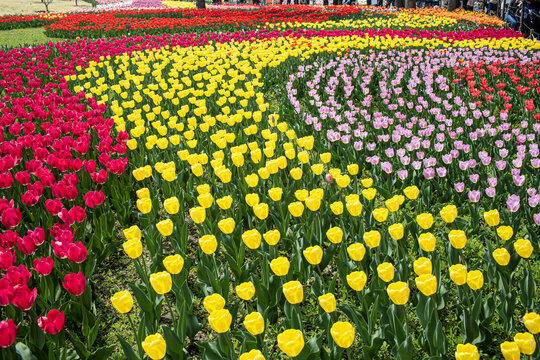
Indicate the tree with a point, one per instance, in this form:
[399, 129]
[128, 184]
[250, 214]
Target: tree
[46, 3]
[201, 4]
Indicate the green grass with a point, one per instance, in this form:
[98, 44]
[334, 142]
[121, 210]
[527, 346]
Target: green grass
[24, 37]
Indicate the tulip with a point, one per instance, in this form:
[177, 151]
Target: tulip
[252, 199]
[296, 209]
[398, 292]
[475, 279]
[337, 207]
[385, 271]
[422, 266]
[291, 342]
[226, 225]
[245, 290]
[301, 195]
[449, 213]
[357, 280]
[133, 233]
[252, 355]
[505, 232]
[197, 214]
[427, 242]
[354, 207]
[133, 248]
[6, 292]
[458, 274]
[526, 343]
[352, 169]
[213, 302]
[392, 204]
[53, 322]
[155, 346]
[510, 350]
[143, 193]
[173, 263]
[220, 320]
[225, 202]
[122, 301]
[367, 183]
[380, 214]
[24, 298]
[272, 237]
[313, 254]
[165, 227]
[492, 217]
[144, 205]
[396, 231]
[343, 334]
[369, 193]
[161, 282]
[74, 283]
[457, 238]
[356, 251]
[524, 248]
[280, 266]
[7, 258]
[275, 193]
[205, 200]
[335, 235]
[252, 238]
[532, 322]
[501, 256]
[313, 203]
[261, 211]
[208, 244]
[411, 192]
[328, 302]
[293, 291]
[44, 266]
[8, 332]
[467, 352]
[425, 220]
[427, 284]
[372, 238]
[254, 323]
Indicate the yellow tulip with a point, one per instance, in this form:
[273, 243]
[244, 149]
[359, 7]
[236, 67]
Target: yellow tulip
[411, 192]
[328, 302]
[252, 355]
[392, 204]
[532, 322]
[280, 266]
[133, 248]
[505, 232]
[165, 227]
[213, 302]
[524, 248]
[449, 213]
[422, 266]
[303, 157]
[143, 193]
[510, 350]
[367, 183]
[203, 189]
[357, 280]
[293, 291]
[457, 238]
[343, 181]
[252, 180]
[245, 290]
[208, 244]
[171, 205]
[174, 263]
[326, 157]
[313, 254]
[296, 173]
[380, 214]
[272, 237]
[291, 342]
[427, 284]
[337, 207]
[122, 301]
[425, 220]
[372, 238]
[352, 169]
[296, 209]
[398, 292]
[252, 238]
[501, 256]
[252, 199]
[492, 217]
[467, 352]
[205, 200]
[385, 271]
[254, 323]
[132, 233]
[225, 202]
[197, 214]
[313, 203]
[161, 282]
[427, 242]
[354, 208]
[261, 211]
[396, 231]
[220, 320]
[317, 169]
[475, 279]
[369, 193]
[526, 343]
[226, 225]
[343, 334]
[356, 251]
[155, 346]
[335, 235]
[458, 274]
[238, 159]
[144, 205]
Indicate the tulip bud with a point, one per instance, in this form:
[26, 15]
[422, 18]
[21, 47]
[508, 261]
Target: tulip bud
[252, 199]
[8, 332]
[122, 301]
[275, 193]
[155, 346]
[261, 211]
[510, 351]
[372, 238]
[133, 233]
[74, 283]
[427, 284]
[296, 209]
[252, 238]
[411, 192]
[252, 355]
[161, 282]
[425, 220]
[392, 204]
[220, 320]
[385, 271]
[197, 214]
[398, 292]
[173, 263]
[367, 183]
[245, 290]
[293, 291]
[328, 302]
[144, 205]
[532, 322]
[467, 352]
[380, 214]
[505, 232]
[343, 334]
[291, 342]
[458, 274]
[357, 280]
[226, 225]
[165, 227]
[133, 248]
[254, 323]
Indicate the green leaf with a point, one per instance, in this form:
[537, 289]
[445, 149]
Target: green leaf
[24, 352]
[80, 348]
[211, 351]
[102, 353]
[175, 346]
[142, 299]
[128, 350]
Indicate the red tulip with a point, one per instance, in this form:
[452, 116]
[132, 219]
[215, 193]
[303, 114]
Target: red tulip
[6, 204]
[77, 252]
[11, 217]
[74, 283]
[8, 239]
[6, 180]
[94, 198]
[23, 177]
[30, 198]
[23, 297]
[7, 258]
[54, 206]
[44, 266]
[26, 245]
[53, 322]
[18, 275]
[38, 235]
[8, 331]
[6, 292]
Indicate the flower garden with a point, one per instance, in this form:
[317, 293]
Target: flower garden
[280, 182]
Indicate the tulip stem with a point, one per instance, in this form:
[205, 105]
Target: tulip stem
[139, 346]
[173, 318]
